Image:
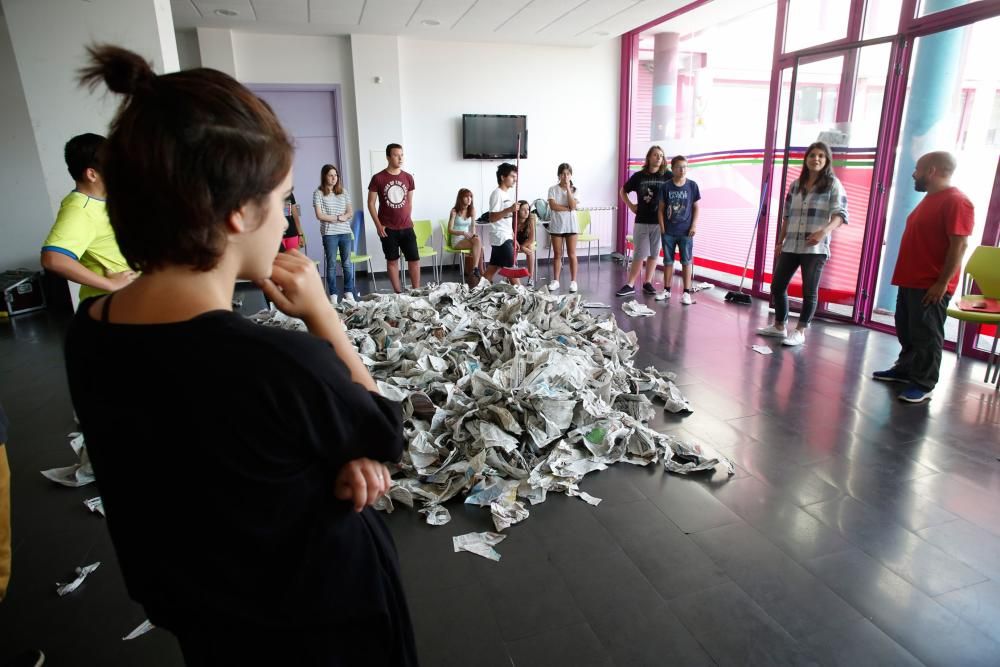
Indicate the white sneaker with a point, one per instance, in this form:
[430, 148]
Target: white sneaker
[572, 286]
[795, 338]
[772, 331]
[663, 296]
[554, 286]
[686, 299]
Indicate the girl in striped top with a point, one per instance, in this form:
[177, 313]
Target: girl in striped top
[334, 212]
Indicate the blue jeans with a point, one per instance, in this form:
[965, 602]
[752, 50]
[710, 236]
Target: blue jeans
[331, 243]
[682, 243]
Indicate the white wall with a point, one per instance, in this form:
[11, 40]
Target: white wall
[49, 39]
[26, 217]
[292, 59]
[569, 95]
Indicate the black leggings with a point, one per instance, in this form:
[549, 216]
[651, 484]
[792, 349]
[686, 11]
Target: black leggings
[784, 269]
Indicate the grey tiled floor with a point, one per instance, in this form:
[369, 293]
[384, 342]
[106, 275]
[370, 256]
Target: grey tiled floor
[856, 531]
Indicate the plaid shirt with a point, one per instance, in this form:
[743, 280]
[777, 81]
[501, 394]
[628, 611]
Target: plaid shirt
[806, 213]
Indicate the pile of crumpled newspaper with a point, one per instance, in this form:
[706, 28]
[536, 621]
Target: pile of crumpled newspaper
[509, 394]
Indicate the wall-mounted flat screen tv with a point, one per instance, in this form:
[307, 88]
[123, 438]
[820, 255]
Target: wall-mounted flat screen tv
[493, 137]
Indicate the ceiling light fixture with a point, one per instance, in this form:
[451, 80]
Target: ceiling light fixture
[228, 13]
[430, 22]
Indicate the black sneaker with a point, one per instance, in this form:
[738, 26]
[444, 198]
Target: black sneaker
[626, 290]
[647, 288]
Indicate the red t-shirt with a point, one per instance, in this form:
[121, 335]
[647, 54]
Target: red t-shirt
[924, 246]
[394, 203]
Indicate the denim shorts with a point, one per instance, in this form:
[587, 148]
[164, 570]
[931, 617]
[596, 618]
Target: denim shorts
[685, 244]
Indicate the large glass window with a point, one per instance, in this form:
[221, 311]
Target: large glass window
[813, 22]
[950, 102]
[934, 6]
[853, 85]
[699, 91]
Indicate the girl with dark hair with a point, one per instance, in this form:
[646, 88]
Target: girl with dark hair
[462, 233]
[815, 205]
[563, 228]
[239, 467]
[526, 223]
[334, 212]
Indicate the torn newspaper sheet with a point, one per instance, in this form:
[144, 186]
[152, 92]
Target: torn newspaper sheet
[635, 309]
[139, 631]
[479, 543]
[509, 394]
[81, 574]
[77, 475]
[95, 504]
[762, 349]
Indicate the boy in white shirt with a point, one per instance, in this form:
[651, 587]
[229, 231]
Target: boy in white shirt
[503, 206]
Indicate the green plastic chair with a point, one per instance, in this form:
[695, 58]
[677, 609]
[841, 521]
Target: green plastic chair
[446, 247]
[424, 232]
[583, 220]
[356, 224]
[983, 269]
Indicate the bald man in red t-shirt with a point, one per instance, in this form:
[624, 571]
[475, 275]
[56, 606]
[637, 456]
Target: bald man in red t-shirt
[930, 256]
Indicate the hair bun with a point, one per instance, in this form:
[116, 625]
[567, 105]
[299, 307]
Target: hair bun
[121, 70]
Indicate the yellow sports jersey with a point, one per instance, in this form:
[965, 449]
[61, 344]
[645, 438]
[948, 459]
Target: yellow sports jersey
[83, 232]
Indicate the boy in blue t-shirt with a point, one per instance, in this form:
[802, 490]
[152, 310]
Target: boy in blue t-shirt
[677, 214]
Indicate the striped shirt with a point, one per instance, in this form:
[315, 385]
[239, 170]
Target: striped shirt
[332, 204]
[806, 213]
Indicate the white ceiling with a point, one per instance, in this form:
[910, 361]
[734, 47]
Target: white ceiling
[581, 23]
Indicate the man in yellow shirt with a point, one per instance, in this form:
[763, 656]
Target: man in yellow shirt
[81, 246]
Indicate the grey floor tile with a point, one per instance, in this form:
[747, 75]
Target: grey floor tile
[789, 594]
[735, 631]
[919, 624]
[572, 645]
[971, 544]
[858, 643]
[914, 559]
[978, 604]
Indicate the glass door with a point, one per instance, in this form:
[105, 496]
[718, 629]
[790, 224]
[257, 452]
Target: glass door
[952, 103]
[836, 98]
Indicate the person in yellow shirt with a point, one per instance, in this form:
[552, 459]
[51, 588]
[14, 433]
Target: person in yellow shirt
[81, 246]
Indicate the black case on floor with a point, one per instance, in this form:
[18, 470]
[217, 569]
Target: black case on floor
[22, 291]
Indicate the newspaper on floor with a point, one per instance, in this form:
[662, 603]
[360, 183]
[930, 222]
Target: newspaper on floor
[436, 515]
[698, 287]
[81, 574]
[762, 349]
[76, 475]
[95, 504]
[479, 543]
[635, 309]
[139, 631]
[508, 395]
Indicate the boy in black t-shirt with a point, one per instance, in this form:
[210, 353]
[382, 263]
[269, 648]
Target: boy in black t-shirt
[646, 234]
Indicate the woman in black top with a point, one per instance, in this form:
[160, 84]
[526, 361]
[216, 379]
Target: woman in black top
[237, 463]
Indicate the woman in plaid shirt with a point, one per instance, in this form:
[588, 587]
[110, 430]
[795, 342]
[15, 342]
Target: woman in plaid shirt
[815, 205]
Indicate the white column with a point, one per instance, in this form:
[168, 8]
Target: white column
[217, 52]
[380, 117]
[49, 39]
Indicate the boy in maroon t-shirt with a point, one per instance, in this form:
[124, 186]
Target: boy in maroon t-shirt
[930, 255]
[393, 188]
